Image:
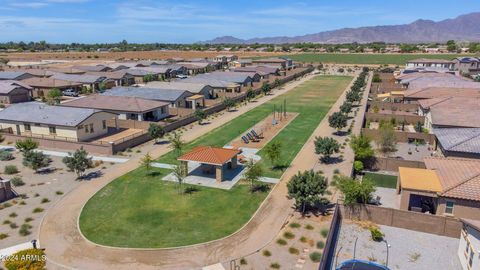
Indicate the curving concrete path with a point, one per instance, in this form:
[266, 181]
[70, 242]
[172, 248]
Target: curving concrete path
[67, 249]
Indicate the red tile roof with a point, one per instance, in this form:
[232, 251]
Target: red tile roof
[210, 155]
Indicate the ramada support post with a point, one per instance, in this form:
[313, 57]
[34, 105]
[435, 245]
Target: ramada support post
[219, 173]
[184, 167]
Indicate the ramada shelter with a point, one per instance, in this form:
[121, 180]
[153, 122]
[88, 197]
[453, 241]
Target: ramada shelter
[212, 159]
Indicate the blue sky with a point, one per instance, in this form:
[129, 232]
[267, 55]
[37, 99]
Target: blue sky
[190, 21]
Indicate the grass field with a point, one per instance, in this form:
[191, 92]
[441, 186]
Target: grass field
[382, 180]
[140, 210]
[363, 59]
[311, 100]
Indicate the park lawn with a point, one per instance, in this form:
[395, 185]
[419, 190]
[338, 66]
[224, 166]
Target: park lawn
[382, 180]
[311, 100]
[141, 211]
[365, 59]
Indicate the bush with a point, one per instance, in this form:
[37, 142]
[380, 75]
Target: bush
[303, 239]
[243, 261]
[5, 155]
[377, 235]
[281, 242]
[320, 244]
[266, 253]
[13, 215]
[324, 232]
[25, 229]
[27, 259]
[315, 256]
[59, 192]
[17, 181]
[28, 219]
[3, 236]
[289, 235]
[45, 200]
[309, 227]
[293, 250]
[294, 225]
[10, 169]
[275, 265]
[37, 210]
[13, 225]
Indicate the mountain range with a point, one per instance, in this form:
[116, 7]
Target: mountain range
[462, 28]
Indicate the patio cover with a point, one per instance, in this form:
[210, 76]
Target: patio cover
[210, 155]
[195, 97]
[419, 179]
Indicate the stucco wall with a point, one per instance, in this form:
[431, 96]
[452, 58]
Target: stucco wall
[461, 208]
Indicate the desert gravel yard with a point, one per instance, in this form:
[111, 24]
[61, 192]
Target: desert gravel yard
[408, 249]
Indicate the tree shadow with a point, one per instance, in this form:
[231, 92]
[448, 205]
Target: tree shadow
[331, 160]
[340, 133]
[281, 167]
[191, 190]
[154, 173]
[161, 142]
[46, 171]
[90, 176]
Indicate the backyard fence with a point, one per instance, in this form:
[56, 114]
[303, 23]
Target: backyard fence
[392, 164]
[402, 136]
[328, 257]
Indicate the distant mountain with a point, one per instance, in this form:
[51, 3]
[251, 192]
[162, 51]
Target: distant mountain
[463, 28]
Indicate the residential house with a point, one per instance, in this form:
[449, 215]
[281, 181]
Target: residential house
[176, 98]
[263, 71]
[41, 86]
[241, 63]
[14, 75]
[140, 75]
[428, 62]
[458, 142]
[216, 84]
[14, 92]
[241, 78]
[467, 65]
[280, 62]
[90, 82]
[469, 246]
[115, 78]
[97, 68]
[196, 88]
[414, 95]
[450, 112]
[35, 119]
[194, 68]
[447, 186]
[127, 108]
[225, 58]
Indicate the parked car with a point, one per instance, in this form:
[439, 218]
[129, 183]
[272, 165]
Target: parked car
[70, 93]
[181, 76]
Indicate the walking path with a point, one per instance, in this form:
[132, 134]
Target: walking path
[67, 249]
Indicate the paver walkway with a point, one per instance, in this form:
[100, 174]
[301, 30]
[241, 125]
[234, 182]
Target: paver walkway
[67, 249]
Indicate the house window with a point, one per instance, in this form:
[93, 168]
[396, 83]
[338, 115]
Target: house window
[104, 124]
[86, 128]
[91, 128]
[52, 130]
[27, 127]
[449, 207]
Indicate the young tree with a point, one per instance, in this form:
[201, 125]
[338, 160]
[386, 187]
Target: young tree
[146, 162]
[306, 188]
[229, 103]
[266, 88]
[358, 166]
[179, 174]
[250, 94]
[252, 173]
[276, 83]
[353, 96]
[326, 147]
[200, 115]
[387, 141]
[346, 108]
[26, 145]
[35, 160]
[156, 131]
[78, 162]
[337, 120]
[54, 96]
[354, 191]
[176, 143]
[361, 146]
[273, 152]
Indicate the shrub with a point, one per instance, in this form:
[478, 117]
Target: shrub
[37, 210]
[45, 200]
[289, 235]
[6, 221]
[315, 256]
[309, 227]
[25, 229]
[59, 192]
[275, 265]
[13, 225]
[17, 181]
[10, 169]
[28, 219]
[303, 239]
[5, 155]
[281, 242]
[27, 259]
[13, 214]
[293, 250]
[294, 225]
[266, 253]
[320, 244]
[3, 236]
[377, 235]
[324, 232]
[243, 261]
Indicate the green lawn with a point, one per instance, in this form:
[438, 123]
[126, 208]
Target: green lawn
[311, 100]
[362, 59]
[382, 180]
[137, 210]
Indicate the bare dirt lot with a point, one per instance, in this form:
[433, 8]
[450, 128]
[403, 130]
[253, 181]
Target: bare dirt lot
[145, 55]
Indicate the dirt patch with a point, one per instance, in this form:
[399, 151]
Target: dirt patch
[266, 130]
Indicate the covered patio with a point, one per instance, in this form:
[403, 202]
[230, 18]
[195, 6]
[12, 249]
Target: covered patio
[419, 189]
[196, 101]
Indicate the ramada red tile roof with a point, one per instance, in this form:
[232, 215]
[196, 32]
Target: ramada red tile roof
[210, 155]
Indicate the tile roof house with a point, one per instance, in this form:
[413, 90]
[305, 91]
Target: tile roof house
[217, 84]
[127, 108]
[91, 82]
[14, 75]
[412, 95]
[467, 65]
[428, 62]
[176, 98]
[14, 92]
[35, 119]
[97, 68]
[447, 186]
[197, 88]
[41, 86]
[449, 112]
[469, 244]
